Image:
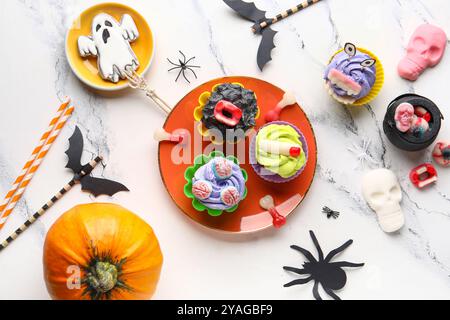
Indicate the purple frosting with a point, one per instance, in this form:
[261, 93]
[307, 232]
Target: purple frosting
[236, 180]
[351, 66]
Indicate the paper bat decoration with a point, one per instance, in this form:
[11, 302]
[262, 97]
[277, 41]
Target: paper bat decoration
[96, 186]
[262, 24]
[82, 175]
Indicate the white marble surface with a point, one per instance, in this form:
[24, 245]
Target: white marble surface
[412, 264]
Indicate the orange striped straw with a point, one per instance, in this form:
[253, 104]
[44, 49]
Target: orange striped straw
[48, 138]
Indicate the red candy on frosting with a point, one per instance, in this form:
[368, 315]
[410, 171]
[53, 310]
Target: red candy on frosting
[202, 189]
[222, 168]
[230, 196]
[227, 113]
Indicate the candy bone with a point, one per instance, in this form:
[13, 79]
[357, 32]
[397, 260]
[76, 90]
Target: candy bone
[288, 100]
[268, 204]
[425, 50]
[281, 148]
[180, 137]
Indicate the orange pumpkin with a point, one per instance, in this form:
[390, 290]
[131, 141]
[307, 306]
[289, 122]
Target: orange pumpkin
[101, 251]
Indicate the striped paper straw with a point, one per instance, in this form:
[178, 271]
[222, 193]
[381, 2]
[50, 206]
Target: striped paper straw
[85, 171]
[31, 166]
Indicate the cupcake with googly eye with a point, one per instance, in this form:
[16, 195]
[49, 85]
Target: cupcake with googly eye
[354, 76]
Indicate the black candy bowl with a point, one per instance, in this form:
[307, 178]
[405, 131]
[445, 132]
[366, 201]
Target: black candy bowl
[409, 142]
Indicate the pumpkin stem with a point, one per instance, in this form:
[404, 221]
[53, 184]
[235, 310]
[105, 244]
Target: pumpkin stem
[103, 277]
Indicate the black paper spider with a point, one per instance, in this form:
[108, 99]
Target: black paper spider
[329, 274]
[183, 66]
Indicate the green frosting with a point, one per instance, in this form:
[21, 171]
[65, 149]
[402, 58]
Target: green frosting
[284, 166]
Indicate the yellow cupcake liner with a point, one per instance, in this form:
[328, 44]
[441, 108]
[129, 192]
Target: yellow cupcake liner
[198, 113]
[378, 82]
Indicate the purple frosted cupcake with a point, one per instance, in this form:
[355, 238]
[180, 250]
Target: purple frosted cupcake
[279, 152]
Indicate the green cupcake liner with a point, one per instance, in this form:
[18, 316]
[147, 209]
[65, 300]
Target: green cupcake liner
[200, 161]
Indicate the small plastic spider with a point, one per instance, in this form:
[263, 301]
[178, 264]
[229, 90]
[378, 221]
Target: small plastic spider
[183, 66]
[329, 274]
[331, 213]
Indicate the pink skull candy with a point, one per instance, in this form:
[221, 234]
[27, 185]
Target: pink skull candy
[404, 115]
[425, 50]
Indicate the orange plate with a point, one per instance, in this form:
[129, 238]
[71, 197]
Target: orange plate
[86, 68]
[249, 217]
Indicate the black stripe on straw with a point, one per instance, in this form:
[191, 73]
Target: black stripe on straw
[28, 223]
[36, 215]
[9, 240]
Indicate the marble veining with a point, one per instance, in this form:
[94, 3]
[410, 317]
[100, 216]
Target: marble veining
[224, 45]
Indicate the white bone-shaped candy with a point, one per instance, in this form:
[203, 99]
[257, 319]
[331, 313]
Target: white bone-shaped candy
[110, 43]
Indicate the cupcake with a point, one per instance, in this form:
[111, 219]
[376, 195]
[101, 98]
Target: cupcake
[279, 152]
[227, 113]
[215, 183]
[354, 76]
[412, 122]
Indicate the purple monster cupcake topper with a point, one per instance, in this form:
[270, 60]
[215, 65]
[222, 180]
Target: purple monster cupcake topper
[351, 74]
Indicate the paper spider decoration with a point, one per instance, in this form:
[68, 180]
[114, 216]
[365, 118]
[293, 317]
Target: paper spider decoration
[329, 274]
[183, 66]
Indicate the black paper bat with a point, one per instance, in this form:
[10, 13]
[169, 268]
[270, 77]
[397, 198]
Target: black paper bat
[96, 186]
[250, 12]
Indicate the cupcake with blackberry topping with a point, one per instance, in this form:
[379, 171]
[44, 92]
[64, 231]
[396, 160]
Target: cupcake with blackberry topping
[227, 113]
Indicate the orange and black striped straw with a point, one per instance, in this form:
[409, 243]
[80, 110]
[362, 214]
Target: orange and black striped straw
[260, 26]
[76, 179]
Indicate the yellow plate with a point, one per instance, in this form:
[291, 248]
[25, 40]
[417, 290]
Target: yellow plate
[86, 68]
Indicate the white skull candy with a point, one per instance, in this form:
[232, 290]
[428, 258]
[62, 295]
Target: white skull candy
[383, 194]
[425, 50]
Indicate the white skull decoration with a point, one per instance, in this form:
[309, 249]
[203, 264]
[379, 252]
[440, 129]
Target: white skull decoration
[383, 194]
[425, 50]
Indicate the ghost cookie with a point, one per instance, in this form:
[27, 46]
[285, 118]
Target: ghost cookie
[110, 43]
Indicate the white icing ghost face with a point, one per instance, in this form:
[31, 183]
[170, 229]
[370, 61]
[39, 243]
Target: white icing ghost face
[110, 43]
[103, 27]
